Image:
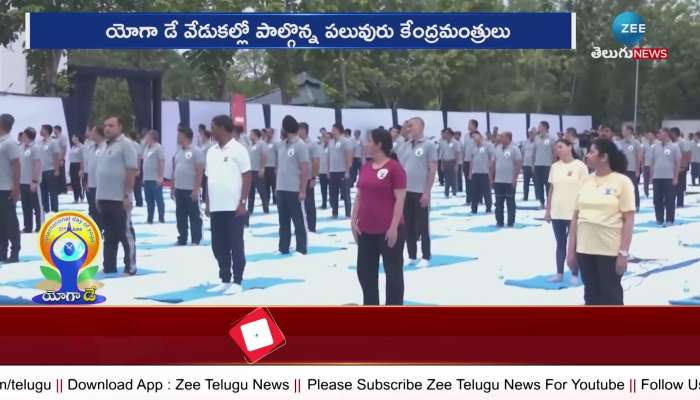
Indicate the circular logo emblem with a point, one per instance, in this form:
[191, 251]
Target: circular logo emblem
[325, 150]
[27, 152]
[254, 147]
[630, 148]
[150, 153]
[546, 142]
[419, 152]
[382, 173]
[98, 152]
[46, 147]
[290, 153]
[188, 155]
[667, 152]
[451, 145]
[506, 154]
[698, 145]
[481, 149]
[337, 145]
[269, 145]
[628, 28]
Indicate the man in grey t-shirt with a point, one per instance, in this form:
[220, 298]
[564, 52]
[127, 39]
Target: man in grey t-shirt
[270, 164]
[62, 141]
[684, 147]
[694, 157]
[482, 157]
[30, 166]
[448, 153]
[116, 168]
[467, 146]
[665, 166]
[324, 167]
[92, 151]
[314, 151]
[507, 162]
[50, 164]
[153, 173]
[358, 146]
[292, 181]
[528, 153]
[258, 160]
[340, 151]
[188, 169]
[634, 154]
[543, 155]
[9, 191]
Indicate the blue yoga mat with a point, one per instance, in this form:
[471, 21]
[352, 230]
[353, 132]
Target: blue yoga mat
[200, 291]
[540, 282]
[682, 264]
[436, 261]
[100, 276]
[691, 301]
[464, 214]
[528, 208]
[652, 224]
[494, 228]
[325, 230]
[263, 225]
[270, 256]
[417, 303]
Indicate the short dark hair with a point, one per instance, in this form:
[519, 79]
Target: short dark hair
[572, 131]
[676, 131]
[154, 133]
[118, 118]
[347, 132]
[223, 121]
[304, 126]
[475, 122]
[202, 127]
[545, 124]
[382, 137]
[616, 158]
[30, 132]
[339, 126]
[238, 129]
[290, 125]
[256, 132]
[449, 131]
[58, 127]
[7, 121]
[48, 128]
[185, 130]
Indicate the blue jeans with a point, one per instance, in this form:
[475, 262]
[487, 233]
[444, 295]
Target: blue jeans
[561, 234]
[154, 196]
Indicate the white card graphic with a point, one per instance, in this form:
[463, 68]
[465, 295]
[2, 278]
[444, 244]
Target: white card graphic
[256, 334]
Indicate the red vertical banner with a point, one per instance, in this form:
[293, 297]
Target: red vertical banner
[238, 109]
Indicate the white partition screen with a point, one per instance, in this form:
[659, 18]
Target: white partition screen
[512, 122]
[458, 120]
[202, 112]
[366, 119]
[579, 122]
[433, 120]
[170, 118]
[316, 117]
[552, 119]
[254, 116]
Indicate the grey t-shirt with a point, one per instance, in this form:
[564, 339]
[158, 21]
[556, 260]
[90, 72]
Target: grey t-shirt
[647, 152]
[528, 153]
[186, 161]
[256, 152]
[270, 155]
[448, 150]
[358, 145]
[506, 159]
[632, 150]
[467, 148]
[152, 157]
[290, 155]
[9, 151]
[28, 154]
[664, 159]
[115, 158]
[543, 150]
[695, 151]
[338, 150]
[49, 149]
[76, 154]
[91, 151]
[481, 158]
[416, 157]
[314, 150]
[323, 162]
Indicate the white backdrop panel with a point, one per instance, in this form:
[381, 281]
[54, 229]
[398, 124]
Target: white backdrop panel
[316, 117]
[433, 120]
[685, 125]
[202, 112]
[170, 118]
[254, 116]
[366, 118]
[580, 122]
[458, 120]
[513, 122]
[552, 119]
[35, 111]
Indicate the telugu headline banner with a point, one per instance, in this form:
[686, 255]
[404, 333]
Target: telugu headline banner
[300, 30]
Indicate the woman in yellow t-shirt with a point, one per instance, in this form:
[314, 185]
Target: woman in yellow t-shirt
[601, 229]
[565, 179]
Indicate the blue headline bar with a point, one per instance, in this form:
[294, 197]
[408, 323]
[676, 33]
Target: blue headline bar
[307, 31]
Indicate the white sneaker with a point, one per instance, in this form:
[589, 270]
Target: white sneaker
[233, 288]
[574, 281]
[219, 288]
[411, 261]
[296, 254]
[423, 263]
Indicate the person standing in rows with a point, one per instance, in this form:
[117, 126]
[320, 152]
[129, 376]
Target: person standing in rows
[528, 152]
[467, 150]
[340, 161]
[30, 168]
[292, 181]
[357, 155]
[543, 155]
[635, 157]
[205, 143]
[62, 142]
[684, 147]
[377, 221]
[314, 151]
[458, 140]
[228, 169]
[572, 136]
[448, 154]
[270, 166]
[117, 166]
[396, 138]
[695, 159]
[324, 168]
[9, 192]
[565, 178]
[133, 139]
[647, 145]
[257, 167]
[419, 160]
[50, 165]
[480, 174]
[665, 169]
[92, 152]
[507, 163]
[188, 169]
[153, 173]
[602, 224]
[75, 157]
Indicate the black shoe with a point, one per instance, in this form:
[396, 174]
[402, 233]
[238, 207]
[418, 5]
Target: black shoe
[26, 230]
[499, 225]
[37, 230]
[180, 244]
[161, 221]
[11, 260]
[149, 222]
[104, 271]
[130, 272]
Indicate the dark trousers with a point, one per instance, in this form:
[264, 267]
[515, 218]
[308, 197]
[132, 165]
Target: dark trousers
[664, 200]
[205, 188]
[417, 226]
[541, 185]
[601, 284]
[467, 182]
[49, 191]
[561, 235]
[647, 180]
[527, 177]
[9, 227]
[441, 173]
[61, 181]
[354, 169]
[117, 229]
[339, 186]
[188, 216]
[369, 248]
[505, 193]
[481, 189]
[460, 186]
[257, 184]
[154, 198]
[680, 188]
[31, 207]
[138, 184]
[635, 182]
[271, 184]
[92, 208]
[695, 173]
[323, 180]
[450, 172]
[288, 211]
[310, 208]
[75, 183]
[227, 244]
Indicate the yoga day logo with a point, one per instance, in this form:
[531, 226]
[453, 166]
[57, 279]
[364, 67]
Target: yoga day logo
[290, 153]
[419, 152]
[69, 243]
[382, 173]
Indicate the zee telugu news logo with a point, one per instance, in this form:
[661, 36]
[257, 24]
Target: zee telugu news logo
[629, 28]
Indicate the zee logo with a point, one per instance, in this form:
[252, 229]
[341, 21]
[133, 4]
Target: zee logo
[628, 28]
